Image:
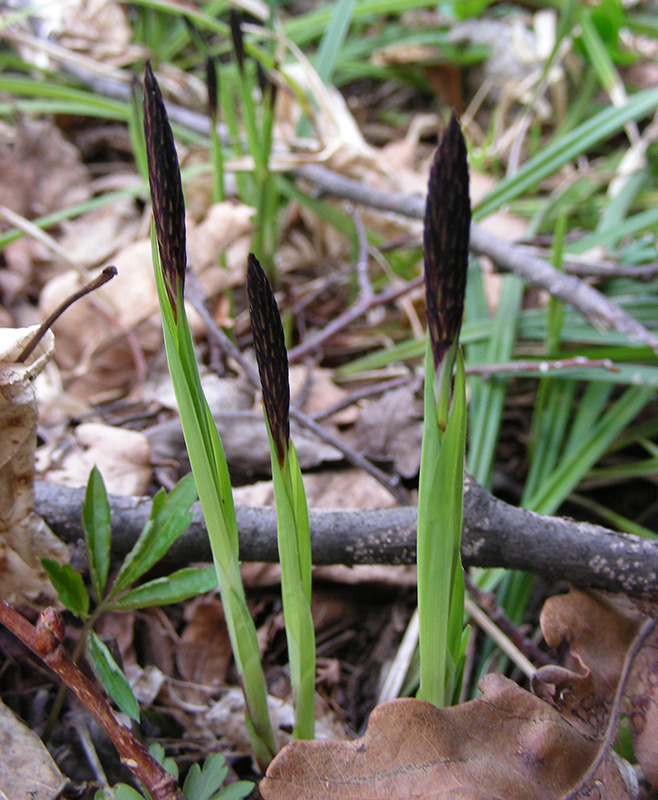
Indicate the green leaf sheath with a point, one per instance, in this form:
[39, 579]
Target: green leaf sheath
[166, 189]
[447, 226]
[271, 355]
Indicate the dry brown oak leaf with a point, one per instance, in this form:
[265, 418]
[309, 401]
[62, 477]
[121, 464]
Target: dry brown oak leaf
[593, 631]
[506, 745]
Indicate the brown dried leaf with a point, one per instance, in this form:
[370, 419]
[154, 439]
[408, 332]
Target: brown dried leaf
[41, 171]
[507, 744]
[28, 769]
[117, 320]
[391, 429]
[24, 538]
[205, 652]
[594, 637]
[594, 632]
[122, 456]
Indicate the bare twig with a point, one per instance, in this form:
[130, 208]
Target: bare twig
[348, 316]
[45, 642]
[495, 534]
[597, 308]
[544, 366]
[107, 274]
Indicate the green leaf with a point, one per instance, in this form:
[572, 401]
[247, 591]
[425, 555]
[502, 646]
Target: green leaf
[108, 673]
[98, 531]
[159, 754]
[202, 784]
[124, 792]
[69, 585]
[170, 518]
[175, 588]
[440, 584]
[235, 791]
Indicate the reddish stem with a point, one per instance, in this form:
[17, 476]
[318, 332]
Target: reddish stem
[44, 641]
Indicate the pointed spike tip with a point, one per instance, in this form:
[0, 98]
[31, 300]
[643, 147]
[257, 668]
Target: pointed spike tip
[271, 355]
[446, 237]
[166, 189]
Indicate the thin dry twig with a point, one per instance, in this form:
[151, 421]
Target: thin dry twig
[597, 308]
[643, 634]
[389, 482]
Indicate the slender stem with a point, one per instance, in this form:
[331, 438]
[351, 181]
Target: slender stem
[106, 275]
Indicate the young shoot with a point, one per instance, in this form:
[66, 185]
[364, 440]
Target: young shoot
[442, 639]
[292, 514]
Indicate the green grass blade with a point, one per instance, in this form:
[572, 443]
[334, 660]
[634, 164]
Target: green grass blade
[600, 127]
[486, 418]
[566, 477]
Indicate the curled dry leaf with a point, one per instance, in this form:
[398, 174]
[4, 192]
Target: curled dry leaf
[24, 537]
[507, 744]
[594, 631]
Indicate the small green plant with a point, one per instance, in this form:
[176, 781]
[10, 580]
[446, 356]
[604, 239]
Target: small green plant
[202, 439]
[201, 783]
[442, 638]
[170, 516]
[292, 514]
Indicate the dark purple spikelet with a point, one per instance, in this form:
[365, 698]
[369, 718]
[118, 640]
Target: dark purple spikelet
[213, 86]
[237, 36]
[166, 189]
[271, 355]
[447, 229]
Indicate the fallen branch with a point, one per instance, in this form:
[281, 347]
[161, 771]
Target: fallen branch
[495, 534]
[593, 305]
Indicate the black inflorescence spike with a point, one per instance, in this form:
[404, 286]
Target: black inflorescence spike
[447, 230]
[166, 188]
[213, 86]
[271, 355]
[235, 24]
